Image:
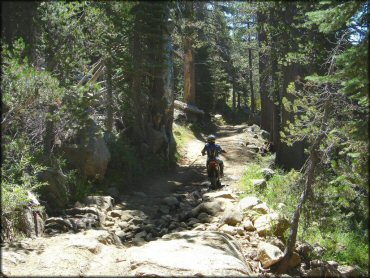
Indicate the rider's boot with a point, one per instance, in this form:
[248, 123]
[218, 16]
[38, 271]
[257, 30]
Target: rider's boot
[222, 171]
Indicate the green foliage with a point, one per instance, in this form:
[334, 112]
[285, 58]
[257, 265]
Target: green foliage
[281, 188]
[19, 173]
[347, 248]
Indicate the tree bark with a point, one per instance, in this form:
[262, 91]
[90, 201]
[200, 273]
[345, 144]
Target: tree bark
[264, 77]
[310, 179]
[253, 102]
[189, 91]
[234, 94]
[109, 120]
[49, 136]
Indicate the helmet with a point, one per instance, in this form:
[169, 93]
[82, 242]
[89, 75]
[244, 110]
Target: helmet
[211, 139]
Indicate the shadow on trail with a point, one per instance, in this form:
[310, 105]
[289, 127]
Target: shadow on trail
[163, 204]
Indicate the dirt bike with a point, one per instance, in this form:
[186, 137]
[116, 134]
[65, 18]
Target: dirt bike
[214, 173]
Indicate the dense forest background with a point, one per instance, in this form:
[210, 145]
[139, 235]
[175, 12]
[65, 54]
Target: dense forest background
[88, 90]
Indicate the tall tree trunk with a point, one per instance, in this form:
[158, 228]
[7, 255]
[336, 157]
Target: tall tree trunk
[265, 80]
[109, 120]
[238, 103]
[234, 94]
[253, 102]
[310, 179]
[49, 133]
[136, 83]
[189, 91]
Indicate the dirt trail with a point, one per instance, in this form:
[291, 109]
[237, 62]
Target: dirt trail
[188, 183]
[191, 171]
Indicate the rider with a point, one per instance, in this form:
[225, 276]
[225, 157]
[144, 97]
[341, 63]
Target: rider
[213, 150]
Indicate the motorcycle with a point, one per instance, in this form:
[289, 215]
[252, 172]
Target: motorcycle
[214, 174]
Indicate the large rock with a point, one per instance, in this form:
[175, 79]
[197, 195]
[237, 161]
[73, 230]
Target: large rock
[31, 222]
[213, 207]
[190, 253]
[104, 203]
[54, 192]
[268, 254]
[91, 154]
[272, 223]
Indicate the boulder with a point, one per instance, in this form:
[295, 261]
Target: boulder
[91, 154]
[268, 254]
[272, 223]
[248, 202]
[31, 222]
[54, 192]
[104, 203]
[189, 253]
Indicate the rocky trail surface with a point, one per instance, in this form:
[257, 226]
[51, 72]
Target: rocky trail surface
[171, 225]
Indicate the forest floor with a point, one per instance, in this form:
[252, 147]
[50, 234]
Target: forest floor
[83, 254]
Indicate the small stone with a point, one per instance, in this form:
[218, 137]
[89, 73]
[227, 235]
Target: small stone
[116, 213]
[333, 264]
[164, 209]
[123, 225]
[265, 135]
[349, 271]
[269, 254]
[261, 208]
[120, 234]
[253, 148]
[193, 221]
[108, 223]
[267, 173]
[248, 202]
[142, 234]
[203, 217]
[232, 216]
[248, 225]
[171, 201]
[259, 183]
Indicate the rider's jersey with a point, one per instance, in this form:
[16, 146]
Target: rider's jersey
[213, 150]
